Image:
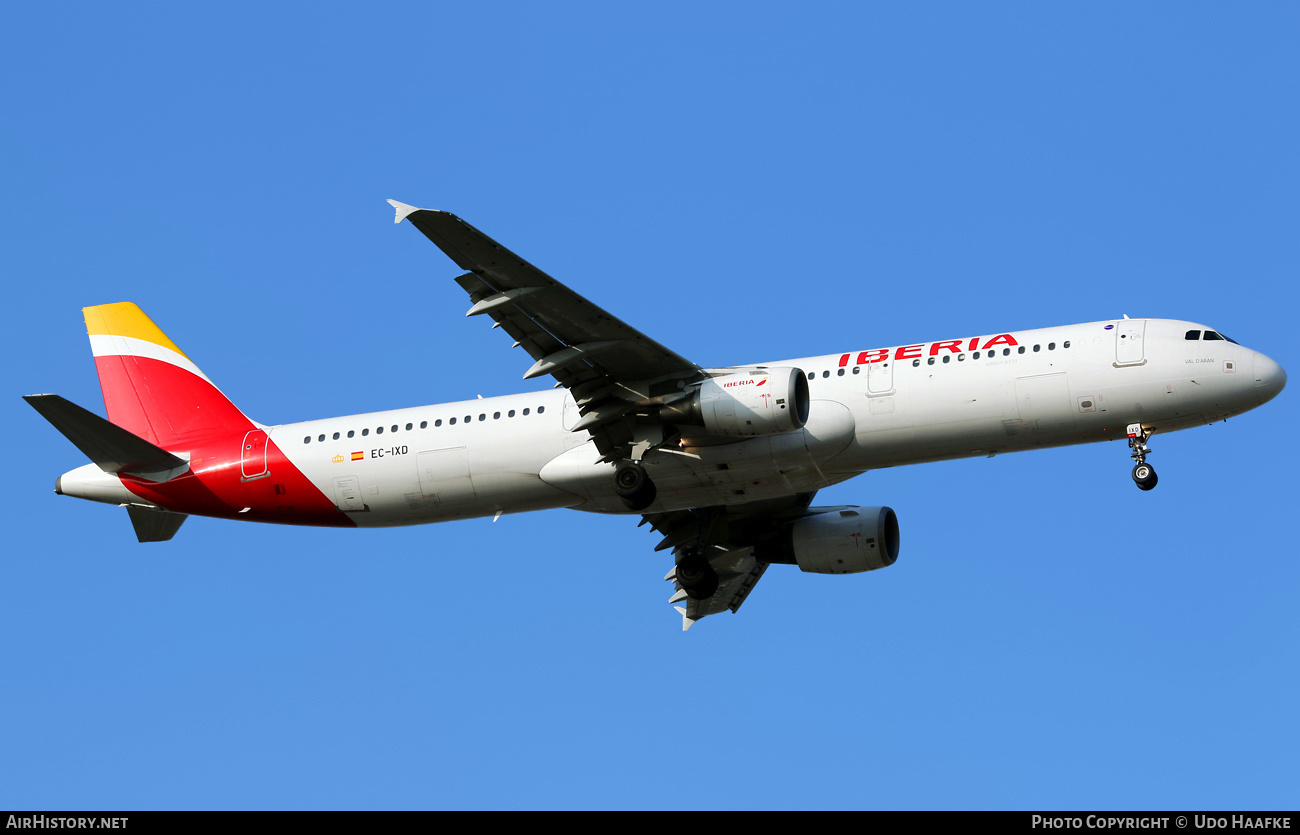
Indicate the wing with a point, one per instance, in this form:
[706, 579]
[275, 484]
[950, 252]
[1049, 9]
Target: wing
[731, 539]
[611, 368]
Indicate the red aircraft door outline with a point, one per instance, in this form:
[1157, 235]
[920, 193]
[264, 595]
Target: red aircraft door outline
[253, 460]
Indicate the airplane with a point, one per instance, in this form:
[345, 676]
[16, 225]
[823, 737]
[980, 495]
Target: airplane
[724, 463]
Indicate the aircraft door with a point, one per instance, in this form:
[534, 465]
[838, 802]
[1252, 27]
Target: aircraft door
[571, 414]
[347, 491]
[444, 475]
[1044, 403]
[880, 378]
[252, 462]
[1129, 347]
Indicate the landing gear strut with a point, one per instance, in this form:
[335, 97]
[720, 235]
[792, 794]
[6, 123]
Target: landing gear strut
[1144, 475]
[633, 485]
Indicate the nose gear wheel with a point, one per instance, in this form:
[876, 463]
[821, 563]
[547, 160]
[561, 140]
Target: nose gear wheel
[1144, 475]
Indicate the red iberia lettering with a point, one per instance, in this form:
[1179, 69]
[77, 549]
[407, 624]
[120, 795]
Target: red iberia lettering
[953, 345]
[878, 355]
[974, 343]
[844, 360]
[1002, 339]
[908, 352]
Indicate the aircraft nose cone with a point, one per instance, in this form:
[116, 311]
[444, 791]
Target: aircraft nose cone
[1270, 379]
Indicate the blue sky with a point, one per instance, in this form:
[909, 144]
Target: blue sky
[741, 182]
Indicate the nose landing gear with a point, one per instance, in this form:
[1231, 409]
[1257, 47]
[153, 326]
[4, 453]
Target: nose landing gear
[1144, 475]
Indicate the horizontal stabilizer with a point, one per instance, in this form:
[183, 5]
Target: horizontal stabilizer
[154, 525]
[110, 446]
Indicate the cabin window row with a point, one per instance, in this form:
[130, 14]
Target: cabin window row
[424, 424]
[916, 363]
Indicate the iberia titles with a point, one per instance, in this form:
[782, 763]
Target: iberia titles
[930, 349]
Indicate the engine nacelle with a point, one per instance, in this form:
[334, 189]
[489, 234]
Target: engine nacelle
[845, 541]
[746, 402]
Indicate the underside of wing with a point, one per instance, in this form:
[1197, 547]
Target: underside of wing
[611, 369]
[720, 553]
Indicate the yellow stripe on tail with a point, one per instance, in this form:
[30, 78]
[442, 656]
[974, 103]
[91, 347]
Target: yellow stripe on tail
[125, 319]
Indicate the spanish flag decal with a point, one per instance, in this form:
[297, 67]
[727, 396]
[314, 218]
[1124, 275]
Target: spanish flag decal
[357, 456]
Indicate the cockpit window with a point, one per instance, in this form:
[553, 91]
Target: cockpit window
[1215, 335]
[1192, 335]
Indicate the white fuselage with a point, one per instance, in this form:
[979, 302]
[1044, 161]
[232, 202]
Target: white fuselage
[870, 409]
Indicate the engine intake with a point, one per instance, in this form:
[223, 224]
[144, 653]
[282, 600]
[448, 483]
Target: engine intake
[847, 541]
[745, 402]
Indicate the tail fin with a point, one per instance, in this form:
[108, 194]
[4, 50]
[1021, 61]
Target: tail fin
[150, 387]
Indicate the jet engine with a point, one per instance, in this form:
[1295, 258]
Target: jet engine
[843, 541]
[745, 402]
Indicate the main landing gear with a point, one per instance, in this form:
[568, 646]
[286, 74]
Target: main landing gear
[696, 577]
[633, 485]
[1144, 475]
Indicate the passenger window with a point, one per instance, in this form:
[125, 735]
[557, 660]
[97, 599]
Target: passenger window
[351, 433]
[482, 417]
[1051, 346]
[856, 369]
[408, 427]
[916, 363]
[510, 413]
[1006, 352]
[437, 423]
[812, 374]
[947, 357]
[365, 432]
[826, 374]
[424, 424]
[1036, 347]
[839, 373]
[336, 436]
[961, 358]
[525, 413]
[379, 431]
[469, 418]
[395, 427]
[321, 439]
[975, 355]
[1021, 349]
[452, 422]
[930, 361]
[496, 415]
[541, 409]
[1192, 336]
[1065, 344]
[307, 439]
